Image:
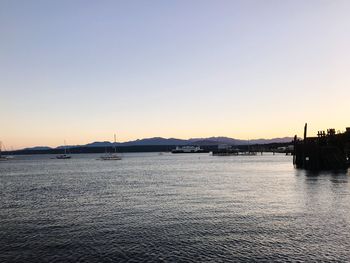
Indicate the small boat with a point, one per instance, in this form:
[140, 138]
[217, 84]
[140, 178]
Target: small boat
[111, 156]
[189, 149]
[65, 155]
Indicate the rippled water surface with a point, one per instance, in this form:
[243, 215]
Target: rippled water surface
[179, 208]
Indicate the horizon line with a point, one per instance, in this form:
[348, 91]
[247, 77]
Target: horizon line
[167, 138]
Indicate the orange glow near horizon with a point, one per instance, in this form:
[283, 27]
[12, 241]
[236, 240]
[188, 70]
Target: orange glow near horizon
[20, 141]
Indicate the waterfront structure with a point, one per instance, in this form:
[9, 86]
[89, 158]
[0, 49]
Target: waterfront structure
[226, 150]
[328, 151]
[188, 149]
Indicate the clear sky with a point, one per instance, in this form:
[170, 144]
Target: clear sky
[83, 70]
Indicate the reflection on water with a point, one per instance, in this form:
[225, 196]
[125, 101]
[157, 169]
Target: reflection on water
[321, 178]
[151, 207]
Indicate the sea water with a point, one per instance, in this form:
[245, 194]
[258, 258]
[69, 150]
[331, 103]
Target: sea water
[171, 208]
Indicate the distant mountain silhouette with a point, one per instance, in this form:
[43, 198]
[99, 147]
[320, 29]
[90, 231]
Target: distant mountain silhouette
[231, 141]
[38, 148]
[275, 140]
[157, 141]
[216, 140]
[99, 144]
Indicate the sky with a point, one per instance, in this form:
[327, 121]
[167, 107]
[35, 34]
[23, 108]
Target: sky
[81, 71]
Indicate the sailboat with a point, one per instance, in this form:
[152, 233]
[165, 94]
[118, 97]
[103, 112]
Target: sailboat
[3, 158]
[111, 156]
[65, 155]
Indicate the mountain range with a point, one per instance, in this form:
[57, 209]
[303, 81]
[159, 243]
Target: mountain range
[156, 141]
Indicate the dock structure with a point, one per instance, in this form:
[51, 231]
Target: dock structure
[328, 151]
[225, 150]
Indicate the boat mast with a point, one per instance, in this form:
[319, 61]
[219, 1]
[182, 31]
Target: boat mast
[65, 148]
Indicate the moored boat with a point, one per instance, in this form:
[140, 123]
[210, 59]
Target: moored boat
[65, 155]
[111, 156]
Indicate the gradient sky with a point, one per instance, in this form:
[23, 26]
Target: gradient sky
[83, 70]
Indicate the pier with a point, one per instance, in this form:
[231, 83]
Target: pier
[330, 150]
